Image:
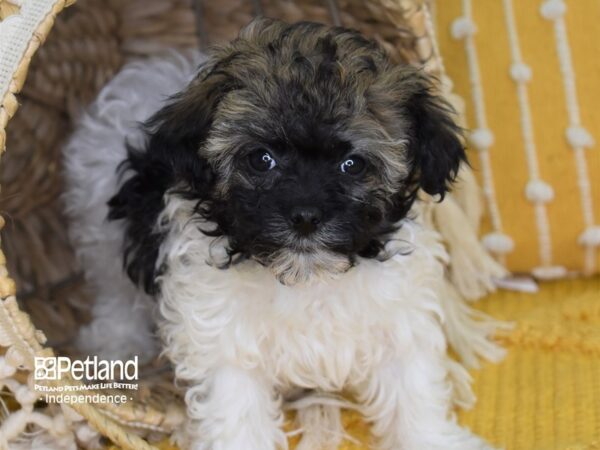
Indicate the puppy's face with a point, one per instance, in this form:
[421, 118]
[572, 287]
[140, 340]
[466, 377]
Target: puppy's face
[305, 146]
[301, 193]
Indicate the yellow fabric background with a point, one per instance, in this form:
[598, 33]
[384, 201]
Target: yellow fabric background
[549, 115]
[545, 395]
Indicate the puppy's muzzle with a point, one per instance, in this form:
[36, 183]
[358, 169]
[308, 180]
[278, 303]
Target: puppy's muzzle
[306, 219]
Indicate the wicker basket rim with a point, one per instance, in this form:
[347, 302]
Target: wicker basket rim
[16, 324]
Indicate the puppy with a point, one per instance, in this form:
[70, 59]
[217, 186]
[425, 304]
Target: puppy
[272, 208]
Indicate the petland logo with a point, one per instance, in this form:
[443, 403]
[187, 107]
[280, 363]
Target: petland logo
[54, 368]
[97, 374]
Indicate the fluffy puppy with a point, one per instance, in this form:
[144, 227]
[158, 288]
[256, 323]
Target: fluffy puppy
[271, 209]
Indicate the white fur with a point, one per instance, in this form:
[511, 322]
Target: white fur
[122, 319]
[242, 341]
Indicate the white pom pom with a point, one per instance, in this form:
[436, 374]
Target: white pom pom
[538, 191]
[553, 9]
[520, 72]
[590, 237]
[549, 272]
[498, 243]
[15, 358]
[482, 138]
[59, 425]
[462, 27]
[579, 137]
[70, 414]
[25, 396]
[6, 370]
[85, 433]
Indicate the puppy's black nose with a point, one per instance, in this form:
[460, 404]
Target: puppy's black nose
[306, 219]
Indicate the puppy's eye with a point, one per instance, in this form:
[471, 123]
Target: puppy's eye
[353, 165]
[261, 161]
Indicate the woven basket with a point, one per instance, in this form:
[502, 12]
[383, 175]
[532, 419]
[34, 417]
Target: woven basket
[90, 42]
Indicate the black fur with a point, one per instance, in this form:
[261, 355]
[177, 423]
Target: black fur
[300, 118]
[434, 142]
[170, 158]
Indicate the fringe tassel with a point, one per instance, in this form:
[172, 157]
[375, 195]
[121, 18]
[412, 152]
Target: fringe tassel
[470, 332]
[472, 270]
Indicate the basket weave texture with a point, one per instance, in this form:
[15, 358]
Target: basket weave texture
[89, 44]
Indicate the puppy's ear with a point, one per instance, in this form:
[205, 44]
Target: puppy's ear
[435, 144]
[169, 160]
[187, 118]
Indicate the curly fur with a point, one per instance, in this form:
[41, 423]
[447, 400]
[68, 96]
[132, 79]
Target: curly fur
[250, 312]
[307, 90]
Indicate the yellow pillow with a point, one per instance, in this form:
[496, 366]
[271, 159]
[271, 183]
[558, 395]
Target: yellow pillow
[529, 71]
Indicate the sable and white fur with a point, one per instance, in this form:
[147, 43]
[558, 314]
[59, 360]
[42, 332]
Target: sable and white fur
[243, 342]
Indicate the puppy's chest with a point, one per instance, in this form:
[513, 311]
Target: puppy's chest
[325, 335]
[327, 342]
